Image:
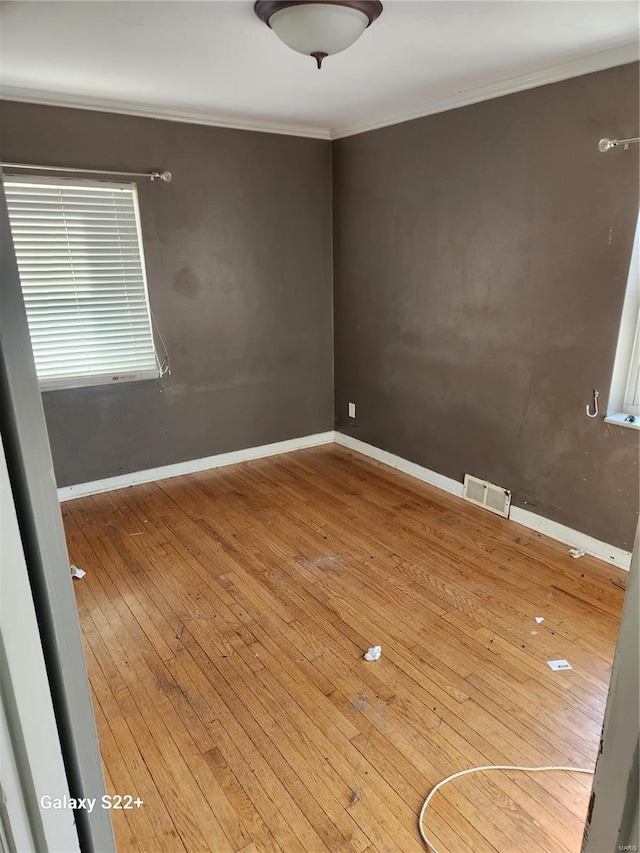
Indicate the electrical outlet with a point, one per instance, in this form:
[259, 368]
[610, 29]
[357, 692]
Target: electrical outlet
[352, 410]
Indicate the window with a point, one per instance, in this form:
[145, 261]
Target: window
[624, 399]
[79, 250]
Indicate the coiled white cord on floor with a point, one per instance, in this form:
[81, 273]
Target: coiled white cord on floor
[429, 844]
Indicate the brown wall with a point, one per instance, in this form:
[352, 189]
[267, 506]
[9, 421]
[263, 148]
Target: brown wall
[480, 263]
[238, 254]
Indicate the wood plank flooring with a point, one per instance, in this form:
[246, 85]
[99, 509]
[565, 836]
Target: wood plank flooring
[225, 615]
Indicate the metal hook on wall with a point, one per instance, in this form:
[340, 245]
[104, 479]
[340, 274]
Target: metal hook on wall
[596, 394]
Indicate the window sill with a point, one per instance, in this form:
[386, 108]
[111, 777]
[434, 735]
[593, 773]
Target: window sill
[88, 381]
[619, 420]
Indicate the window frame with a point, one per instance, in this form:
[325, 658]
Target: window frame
[91, 380]
[628, 348]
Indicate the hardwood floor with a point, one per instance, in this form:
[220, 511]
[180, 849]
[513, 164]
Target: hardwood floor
[225, 616]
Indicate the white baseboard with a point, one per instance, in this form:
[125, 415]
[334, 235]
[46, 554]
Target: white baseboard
[400, 464]
[559, 532]
[574, 538]
[150, 475]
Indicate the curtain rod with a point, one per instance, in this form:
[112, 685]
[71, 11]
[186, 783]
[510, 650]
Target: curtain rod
[607, 144]
[153, 176]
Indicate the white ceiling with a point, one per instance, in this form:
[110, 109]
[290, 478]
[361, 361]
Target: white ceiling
[217, 63]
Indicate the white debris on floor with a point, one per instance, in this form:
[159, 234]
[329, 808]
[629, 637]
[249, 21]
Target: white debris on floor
[373, 653]
[557, 665]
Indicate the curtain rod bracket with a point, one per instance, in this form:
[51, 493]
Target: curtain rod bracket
[607, 144]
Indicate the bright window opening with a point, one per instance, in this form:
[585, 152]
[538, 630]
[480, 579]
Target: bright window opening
[79, 250]
[624, 399]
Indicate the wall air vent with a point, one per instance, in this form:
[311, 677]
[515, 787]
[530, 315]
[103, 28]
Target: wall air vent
[494, 498]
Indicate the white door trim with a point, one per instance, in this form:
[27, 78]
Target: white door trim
[31, 763]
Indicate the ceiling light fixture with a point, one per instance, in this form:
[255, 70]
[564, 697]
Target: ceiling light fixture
[318, 29]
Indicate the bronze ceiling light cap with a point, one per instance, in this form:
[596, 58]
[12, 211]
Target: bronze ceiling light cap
[318, 28]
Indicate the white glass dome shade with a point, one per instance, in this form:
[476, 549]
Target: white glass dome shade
[318, 29]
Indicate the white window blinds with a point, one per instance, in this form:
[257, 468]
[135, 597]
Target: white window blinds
[79, 251]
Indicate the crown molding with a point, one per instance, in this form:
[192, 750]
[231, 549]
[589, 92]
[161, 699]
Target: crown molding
[586, 64]
[103, 105]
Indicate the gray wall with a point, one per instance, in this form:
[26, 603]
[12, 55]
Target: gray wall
[480, 264]
[238, 254]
